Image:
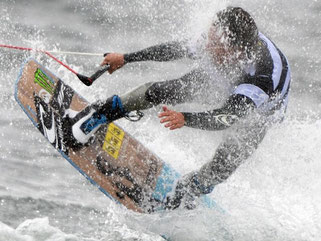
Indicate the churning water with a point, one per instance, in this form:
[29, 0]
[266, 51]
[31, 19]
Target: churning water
[275, 195]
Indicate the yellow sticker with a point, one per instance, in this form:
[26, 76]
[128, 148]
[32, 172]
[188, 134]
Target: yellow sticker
[113, 129]
[113, 140]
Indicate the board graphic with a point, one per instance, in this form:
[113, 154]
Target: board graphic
[117, 163]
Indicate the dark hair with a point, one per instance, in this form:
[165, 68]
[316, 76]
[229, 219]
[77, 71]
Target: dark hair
[239, 26]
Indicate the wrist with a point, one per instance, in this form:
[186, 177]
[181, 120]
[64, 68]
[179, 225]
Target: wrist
[127, 58]
[184, 118]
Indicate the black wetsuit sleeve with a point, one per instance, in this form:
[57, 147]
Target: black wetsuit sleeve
[162, 52]
[237, 106]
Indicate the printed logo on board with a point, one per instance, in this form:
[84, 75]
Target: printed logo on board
[49, 130]
[121, 179]
[50, 124]
[62, 97]
[44, 81]
[44, 95]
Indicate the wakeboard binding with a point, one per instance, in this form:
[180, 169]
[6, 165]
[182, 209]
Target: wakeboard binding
[81, 128]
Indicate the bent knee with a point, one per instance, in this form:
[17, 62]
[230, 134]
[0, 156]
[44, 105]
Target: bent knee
[155, 93]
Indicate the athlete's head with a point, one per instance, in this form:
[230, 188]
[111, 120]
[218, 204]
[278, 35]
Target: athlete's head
[232, 36]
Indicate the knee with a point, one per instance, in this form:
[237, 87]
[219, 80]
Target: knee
[154, 93]
[164, 92]
[225, 162]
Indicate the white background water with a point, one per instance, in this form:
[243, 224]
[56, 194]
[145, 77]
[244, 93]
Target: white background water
[275, 195]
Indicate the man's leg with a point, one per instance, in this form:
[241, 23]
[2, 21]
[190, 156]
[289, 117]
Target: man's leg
[230, 154]
[87, 122]
[136, 98]
[165, 92]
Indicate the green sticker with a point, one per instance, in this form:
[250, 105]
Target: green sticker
[42, 79]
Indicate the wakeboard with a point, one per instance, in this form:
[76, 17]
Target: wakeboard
[122, 168]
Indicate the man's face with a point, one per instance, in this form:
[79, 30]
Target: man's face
[219, 49]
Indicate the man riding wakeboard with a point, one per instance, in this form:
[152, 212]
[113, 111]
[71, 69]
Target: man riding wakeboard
[257, 98]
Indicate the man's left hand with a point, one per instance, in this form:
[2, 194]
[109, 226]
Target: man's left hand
[173, 119]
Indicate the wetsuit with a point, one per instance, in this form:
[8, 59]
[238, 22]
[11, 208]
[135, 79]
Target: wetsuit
[259, 98]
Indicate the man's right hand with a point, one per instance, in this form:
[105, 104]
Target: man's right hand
[115, 61]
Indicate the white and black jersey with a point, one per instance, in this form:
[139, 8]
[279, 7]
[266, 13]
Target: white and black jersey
[265, 84]
[268, 83]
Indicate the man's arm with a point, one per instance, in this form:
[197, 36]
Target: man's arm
[236, 107]
[162, 52]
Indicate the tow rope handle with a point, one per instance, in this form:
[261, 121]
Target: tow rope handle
[84, 79]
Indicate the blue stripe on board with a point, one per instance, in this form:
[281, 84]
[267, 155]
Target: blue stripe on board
[165, 183]
[31, 110]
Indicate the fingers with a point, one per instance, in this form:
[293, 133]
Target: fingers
[167, 119]
[108, 61]
[165, 109]
[164, 114]
[174, 125]
[114, 60]
[172, 119]
[105, 61]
